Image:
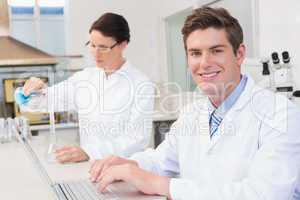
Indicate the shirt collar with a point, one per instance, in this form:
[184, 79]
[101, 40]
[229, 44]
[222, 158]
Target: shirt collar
[123, 69]
[230, 100]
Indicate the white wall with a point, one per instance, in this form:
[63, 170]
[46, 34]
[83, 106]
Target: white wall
[147, 48]
[143, 19]
[24, 29]
[243, 11]
[279, 27]
[170, 7]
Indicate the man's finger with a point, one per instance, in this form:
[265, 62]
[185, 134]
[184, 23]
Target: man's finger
[106, 166]
[32, 84]
[63, 157]
[103, 172]
[94, 166]
[64, 149]
[97, 168]
[93, 163]
[112, 170]
[106, 180]
[96, 171]
[62, 152]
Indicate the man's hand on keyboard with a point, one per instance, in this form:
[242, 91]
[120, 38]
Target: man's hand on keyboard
[70, 154]
[99, 166]
[144, 181]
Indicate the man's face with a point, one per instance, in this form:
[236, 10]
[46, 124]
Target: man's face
[105, 56]
[214, 66]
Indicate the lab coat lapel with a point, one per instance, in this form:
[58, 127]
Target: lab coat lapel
[207, 142]
[204, 130]
[226, 128]
[203, 123]
[121, 75]
[229, 123]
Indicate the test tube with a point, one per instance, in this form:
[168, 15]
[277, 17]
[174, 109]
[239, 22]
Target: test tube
[52, 137]
[2, 130]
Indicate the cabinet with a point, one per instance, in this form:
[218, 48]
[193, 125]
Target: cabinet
[160, 129]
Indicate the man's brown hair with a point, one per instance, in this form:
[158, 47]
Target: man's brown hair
[112, 25]
[219, 18]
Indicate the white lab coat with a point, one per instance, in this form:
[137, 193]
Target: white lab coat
[254, 156]
[114, 111]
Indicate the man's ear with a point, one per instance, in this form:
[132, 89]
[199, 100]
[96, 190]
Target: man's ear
[123, 45]
[241, 54]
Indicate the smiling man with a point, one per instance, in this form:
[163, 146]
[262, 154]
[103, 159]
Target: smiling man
[214, 62]
[240, 142]
[113, 99]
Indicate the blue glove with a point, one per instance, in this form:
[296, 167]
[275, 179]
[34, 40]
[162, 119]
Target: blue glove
[20, 97]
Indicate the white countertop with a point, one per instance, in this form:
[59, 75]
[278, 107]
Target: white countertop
[21, 179]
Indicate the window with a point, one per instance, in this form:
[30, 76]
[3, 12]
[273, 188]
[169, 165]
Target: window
[45, 7]
[53, 7]
[177, 64]
[21, 6]
[39, 23]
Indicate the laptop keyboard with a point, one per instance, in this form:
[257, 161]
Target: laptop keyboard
[84, 190]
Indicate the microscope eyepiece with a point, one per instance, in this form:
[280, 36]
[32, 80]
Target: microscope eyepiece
[285, 57]
[275, 58]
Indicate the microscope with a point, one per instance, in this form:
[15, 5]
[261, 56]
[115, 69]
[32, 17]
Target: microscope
[281, 79]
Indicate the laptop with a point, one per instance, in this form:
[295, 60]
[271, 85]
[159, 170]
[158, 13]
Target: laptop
[83, 189]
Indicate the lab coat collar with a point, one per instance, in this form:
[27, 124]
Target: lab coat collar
[246, 95]
[123, 69]
[224, 130]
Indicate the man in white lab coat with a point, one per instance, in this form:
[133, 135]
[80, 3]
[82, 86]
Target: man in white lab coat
[241, 142]
[114, 100]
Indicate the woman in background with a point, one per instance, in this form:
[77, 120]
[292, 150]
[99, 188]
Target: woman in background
[113, 99]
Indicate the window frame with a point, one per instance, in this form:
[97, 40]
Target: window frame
[36, 18]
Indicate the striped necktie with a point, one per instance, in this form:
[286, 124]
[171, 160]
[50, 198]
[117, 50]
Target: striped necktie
[214, 123]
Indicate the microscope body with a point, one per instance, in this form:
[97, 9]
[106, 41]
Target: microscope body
[282, 77]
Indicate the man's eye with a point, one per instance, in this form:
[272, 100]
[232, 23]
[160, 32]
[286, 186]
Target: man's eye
[217, 51]
[195, 53]
[103, 48]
